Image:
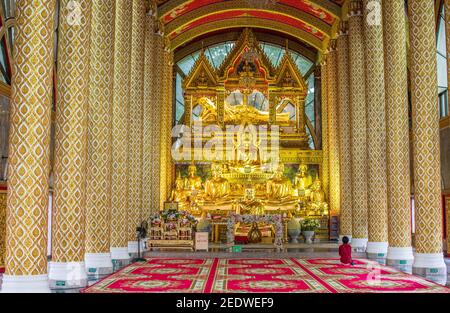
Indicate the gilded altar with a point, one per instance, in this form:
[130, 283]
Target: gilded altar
[244, 125]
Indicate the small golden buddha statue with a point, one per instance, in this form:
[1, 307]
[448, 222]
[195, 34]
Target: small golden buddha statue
[251, 205]
[318, 204]
[279, 188]
[302, 181]
[193, 182]
[217, 188]
[179, 194]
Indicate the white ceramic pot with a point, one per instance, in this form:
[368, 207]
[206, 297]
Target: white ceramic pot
[308, 236]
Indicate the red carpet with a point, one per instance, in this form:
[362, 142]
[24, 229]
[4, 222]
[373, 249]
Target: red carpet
[260, 275]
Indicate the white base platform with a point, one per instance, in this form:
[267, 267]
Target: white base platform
[120, 253]
[400, 254]
[25, 284]
[67, 275]
[98, 263]
[359, 244]
[429, 260]
[377, 248]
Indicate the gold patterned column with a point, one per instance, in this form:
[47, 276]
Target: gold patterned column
[29, 149]
[333, 137]
[397, 120]
[120, 109]
[135, 123]
[376, 134]
[325, 177]
[166, 173]
[428, 261]
[447, 36]
[148, 127]
[3, 194]
[345, 142]
[98, 172]
[157, 98]
[358, 124]
[71, 148]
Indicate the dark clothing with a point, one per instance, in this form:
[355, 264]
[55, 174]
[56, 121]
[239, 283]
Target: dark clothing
[345, 252]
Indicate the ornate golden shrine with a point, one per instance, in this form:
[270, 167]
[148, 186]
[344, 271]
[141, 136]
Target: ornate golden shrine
[224, 96]
[252, 181]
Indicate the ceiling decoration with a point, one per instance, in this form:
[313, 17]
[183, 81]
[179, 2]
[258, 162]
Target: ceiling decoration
[312, 21]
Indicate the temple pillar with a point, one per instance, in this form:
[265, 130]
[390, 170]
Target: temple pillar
[333, 137]
[157, 98]
[447, 36]
[167, 169]
[98, 171]
[135, 124]
[400, 253]
[119, 150]
[377, 246]
[428, 258]
[28, 182]
[67, 269]
[325, 172]
[358, 125]
[345, 142]
[149, 105]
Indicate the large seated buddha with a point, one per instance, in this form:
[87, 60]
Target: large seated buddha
[279, 188]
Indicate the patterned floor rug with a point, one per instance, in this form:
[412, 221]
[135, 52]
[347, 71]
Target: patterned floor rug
[260, 276]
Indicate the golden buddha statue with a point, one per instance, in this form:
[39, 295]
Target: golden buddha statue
[193, 182]
[302, 181]
[217, 188]
[318, 205]
[251, 205]
[279, 188]
[179, 194]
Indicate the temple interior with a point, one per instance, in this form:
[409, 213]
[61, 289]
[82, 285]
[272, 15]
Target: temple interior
[137, 129]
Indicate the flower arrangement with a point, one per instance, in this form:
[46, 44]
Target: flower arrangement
[310, 225]
[172, 216]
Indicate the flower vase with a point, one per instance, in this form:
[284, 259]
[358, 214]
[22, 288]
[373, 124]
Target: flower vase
[308, 236]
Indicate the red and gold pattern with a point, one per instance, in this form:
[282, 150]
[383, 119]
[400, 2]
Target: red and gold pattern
[261, 276]
[303, 5]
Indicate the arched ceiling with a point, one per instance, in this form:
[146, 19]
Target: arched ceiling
[312, 21]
